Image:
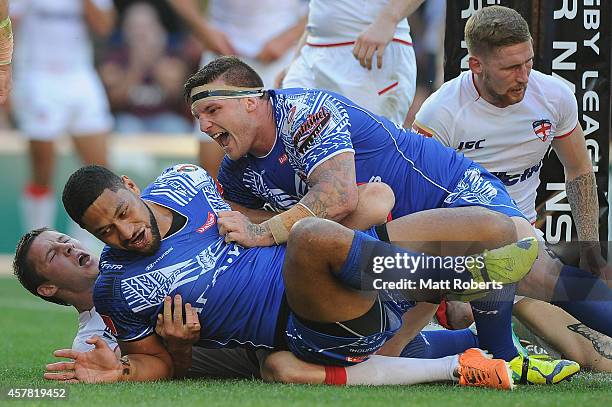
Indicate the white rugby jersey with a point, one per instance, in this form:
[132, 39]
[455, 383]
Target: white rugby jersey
[52, 34]
[90, 324]
[510, 142]
[251, 24]
[337, 21]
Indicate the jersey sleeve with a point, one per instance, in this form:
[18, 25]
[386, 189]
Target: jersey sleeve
[567, 109]
[432, 120]
[322, 134]
[234, 187]
[124, 324]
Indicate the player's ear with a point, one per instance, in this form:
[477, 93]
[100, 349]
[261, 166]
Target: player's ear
[251, 104]
[130, 185]
[46, 290]
[475, 64]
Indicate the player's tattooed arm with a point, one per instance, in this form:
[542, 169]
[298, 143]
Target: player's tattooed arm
[582, 196]
[332, 190]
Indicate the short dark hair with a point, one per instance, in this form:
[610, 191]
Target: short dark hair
[84, 186]
[231, 69]
[24, 269]
[493, 27]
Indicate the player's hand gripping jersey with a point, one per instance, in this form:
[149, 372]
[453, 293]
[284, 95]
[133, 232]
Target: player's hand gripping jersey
[236, 292]
[314, 126]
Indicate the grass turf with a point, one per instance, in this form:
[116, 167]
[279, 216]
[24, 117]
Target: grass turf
[32, 329]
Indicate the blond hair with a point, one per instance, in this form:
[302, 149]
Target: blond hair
[493, 27]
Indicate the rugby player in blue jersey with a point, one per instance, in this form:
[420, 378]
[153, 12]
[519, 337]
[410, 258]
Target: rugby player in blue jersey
[313, 297]
[303, 151]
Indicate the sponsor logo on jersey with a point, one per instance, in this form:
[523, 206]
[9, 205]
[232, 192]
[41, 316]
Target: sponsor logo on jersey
[313, 126]
[542, 129]
[210, 220]
[470, 145]
[356, 359]
[282, 160]
[109, 324]
[164, 254]
[511, 179]
[105, 265]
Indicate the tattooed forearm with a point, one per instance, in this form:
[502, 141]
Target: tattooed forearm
[256, 231]
[582, 197]
[601, 343]
[333, 190]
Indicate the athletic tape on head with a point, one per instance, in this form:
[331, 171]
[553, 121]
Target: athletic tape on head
[219, 92]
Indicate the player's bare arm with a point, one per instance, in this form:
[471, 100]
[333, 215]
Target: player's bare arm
[332, 195]
[279, 45]
[6, 51]
[375, 38]
[100, 21]
[581, 191]
[212, 39]
[145, 360]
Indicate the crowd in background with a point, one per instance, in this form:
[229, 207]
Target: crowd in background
[144, 62]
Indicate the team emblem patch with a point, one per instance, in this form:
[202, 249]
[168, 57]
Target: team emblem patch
[542, 129]
[187, 168]
[313, 126]
[109, 324]
[210, 220]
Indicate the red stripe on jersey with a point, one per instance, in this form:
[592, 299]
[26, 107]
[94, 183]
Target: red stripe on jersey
[387, 89]
[566, 134]
[421, 131]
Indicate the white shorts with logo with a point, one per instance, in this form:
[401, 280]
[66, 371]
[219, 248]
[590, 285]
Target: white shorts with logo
[388, 91]
[267, 72]
[49, 104]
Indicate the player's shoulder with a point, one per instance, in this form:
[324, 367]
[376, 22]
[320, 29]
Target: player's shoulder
[547, 86]
[452, 94]
[190, 173]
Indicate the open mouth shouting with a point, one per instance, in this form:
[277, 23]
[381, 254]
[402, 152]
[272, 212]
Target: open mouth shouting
[84, 259]
[221, 137]
[139, 240]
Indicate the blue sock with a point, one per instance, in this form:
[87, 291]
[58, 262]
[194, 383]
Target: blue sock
[364, 259]
[438, 344]
[493, 318]
[585, 297]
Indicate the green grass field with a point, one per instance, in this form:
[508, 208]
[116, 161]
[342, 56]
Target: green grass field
[31, 329]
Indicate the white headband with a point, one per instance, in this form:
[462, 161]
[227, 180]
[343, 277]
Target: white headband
[219, 92]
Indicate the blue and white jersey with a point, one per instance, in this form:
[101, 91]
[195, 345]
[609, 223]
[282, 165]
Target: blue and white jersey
[237, 292]
[313, 126]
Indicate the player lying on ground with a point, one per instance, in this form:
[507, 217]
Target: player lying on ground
[317, 307]
[59, 269]
[66, 272]
[302, 150]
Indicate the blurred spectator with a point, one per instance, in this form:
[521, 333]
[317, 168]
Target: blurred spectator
[262, 33]
[428, 25]
[144, 77]
[57, 90]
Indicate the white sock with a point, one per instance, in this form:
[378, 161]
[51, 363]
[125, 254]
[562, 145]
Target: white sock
[37, 211]
[381, 370]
